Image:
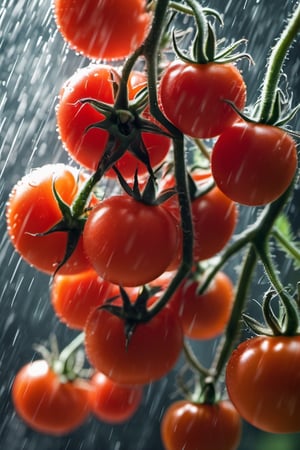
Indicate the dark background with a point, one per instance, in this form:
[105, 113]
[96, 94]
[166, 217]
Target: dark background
[34, 62]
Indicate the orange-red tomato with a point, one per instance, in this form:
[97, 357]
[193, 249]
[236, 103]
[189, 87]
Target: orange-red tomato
[253, 164]
[32, 208]
[214, 218]
[151, 353]
[204, 316]
[47, 404]
[191, 426]
[112, 402]
[192, 97]
[73, 118]
[263, 379]
[129, 242]
[106, 29]
[74, 296]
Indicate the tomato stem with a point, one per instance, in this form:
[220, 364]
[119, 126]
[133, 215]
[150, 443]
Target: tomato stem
[279, 52]
[256, 236]
[233, 327]
[71, 348]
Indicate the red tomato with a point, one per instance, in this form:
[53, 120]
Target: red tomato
[47, 404]
[214, 217]
[205, 316]
[32, 208]
[73, 118]
[191, 426]
[192, 97]
[152, 352]
[112, 402]
[128, 242]
[74, 296]
[263, 379]
[106, 29]
[253, 164]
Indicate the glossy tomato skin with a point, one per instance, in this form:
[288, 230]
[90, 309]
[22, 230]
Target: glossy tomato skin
[263, 379]
[204, 316]
[32, 208]
[191, 426]
[192, 97]
[45, 403]
[106, 29]
[112, 402]
[73, 297]
[214, 217]
[253, 164]
[128, 242]
[73, 118]
[152, 352]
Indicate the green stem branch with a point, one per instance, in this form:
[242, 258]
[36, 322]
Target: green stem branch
[275, 63]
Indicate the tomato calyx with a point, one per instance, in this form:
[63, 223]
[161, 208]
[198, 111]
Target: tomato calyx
[285, 323]
[70, 224]
[147, 195]
[68, 364]
[204, 47]
[125, 128]
[132, 313]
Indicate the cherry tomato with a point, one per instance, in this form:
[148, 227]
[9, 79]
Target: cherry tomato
[253, 164]
[205, 316]
[32, 208]
[73, 118]
[263, 378]
[106, 29]
[128, 242]
[214, 217]
[151, 353]
[191, 426]
[47, 404]
[74, 296]
[112, 402]
[192, 97]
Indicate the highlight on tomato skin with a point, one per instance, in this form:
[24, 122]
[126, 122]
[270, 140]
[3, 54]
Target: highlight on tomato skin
[33, 209]
[196, 426]
[106, 29]
[112, 402]
[47, 404]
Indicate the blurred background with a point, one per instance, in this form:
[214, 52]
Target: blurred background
[34, 62]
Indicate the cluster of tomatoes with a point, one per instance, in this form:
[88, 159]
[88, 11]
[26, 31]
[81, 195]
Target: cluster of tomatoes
[110, 233]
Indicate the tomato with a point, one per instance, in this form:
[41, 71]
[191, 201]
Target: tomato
[47, 404]
[254, 164]
[263, 379]
[205, 316]
[191, 426]
[128, 242]
[112, 402]
[192, 97]
[32, 208]
[73, 118]
[214, 218]
[106, 29]
[151, 353]
[74, 296]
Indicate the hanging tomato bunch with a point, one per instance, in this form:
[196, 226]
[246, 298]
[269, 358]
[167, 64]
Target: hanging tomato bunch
[139, 268]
